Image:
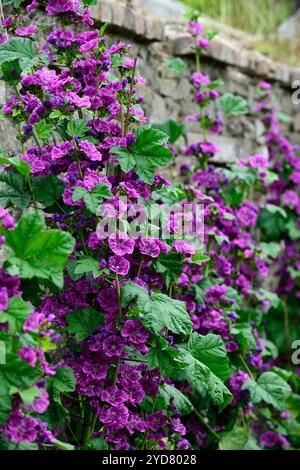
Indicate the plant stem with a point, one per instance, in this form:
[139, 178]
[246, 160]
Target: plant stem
[130, 98]
[246, 366]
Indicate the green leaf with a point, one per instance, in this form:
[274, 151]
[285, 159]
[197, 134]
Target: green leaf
[11, 71]
[47, 189]
[273, 298]
[16, 314]
[16, 3]
[176, 64]
[22, 167]
[164, 312]
[87, 264]
[98, 444]
[269, 388]
[199, 258]
[18, 48]
[171, 128]
[272, 224]
[164, 360]
[170, 265]
[176, 397]
[43, 130]
[294, 232]
[94, 198]
[146, 154]
[159, 311]
[80, 127]
[204, 380]
[271, 249]
[83, 322]
[5, 402]
[63, 380]
[234, 440]
[276, 210]
[28, 396]
[211, 351]
[45, 251]
[90, 3]
[63, 445]
[13, 190]
[235, 105]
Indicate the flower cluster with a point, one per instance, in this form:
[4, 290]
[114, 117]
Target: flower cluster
[126, 342]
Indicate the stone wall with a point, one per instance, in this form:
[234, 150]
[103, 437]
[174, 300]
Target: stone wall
[156, 35]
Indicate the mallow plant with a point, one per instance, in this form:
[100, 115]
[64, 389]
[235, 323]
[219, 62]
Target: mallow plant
[135, 313]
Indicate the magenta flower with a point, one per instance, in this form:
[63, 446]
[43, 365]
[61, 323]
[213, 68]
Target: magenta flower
[26, 32]
[149, 247]
[90, 151]
[291, 198]
[40, 404]
[4, 301]
[119, 265]
[33, 322]
[184, 247]
[200, 79]
[259, 161]
[247, 216]
[28, 354]
[121, 244]
[89, 46]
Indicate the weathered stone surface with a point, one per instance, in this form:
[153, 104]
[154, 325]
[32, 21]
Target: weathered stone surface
[290, 28]
[168, 95]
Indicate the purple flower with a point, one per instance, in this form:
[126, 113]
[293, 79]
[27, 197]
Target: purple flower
[149, 247]
[4, 302]
[232, 347]
[156, 420]
[200, 79]
[89, 46]
[113, 346]
[271, 439]
[28, 354]
[183, 444]
[90, 151]
[121, 244]
[203, 43]
[259, 161]
[247, 216]
[116, 417]
[290, 198]
[40, 404]
[114, 396]
[26, 32]
[33, 322]
[184, 247]
[119, 265]
[134, 332]
[178, 426]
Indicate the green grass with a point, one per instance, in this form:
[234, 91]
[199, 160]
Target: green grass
[258, 17]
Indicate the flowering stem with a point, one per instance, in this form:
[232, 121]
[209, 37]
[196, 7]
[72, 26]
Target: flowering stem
[75, 146]
[246, 366]
[198, 65]
[130, 98]
[36, 141]
[140, 266]
[211, 430]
